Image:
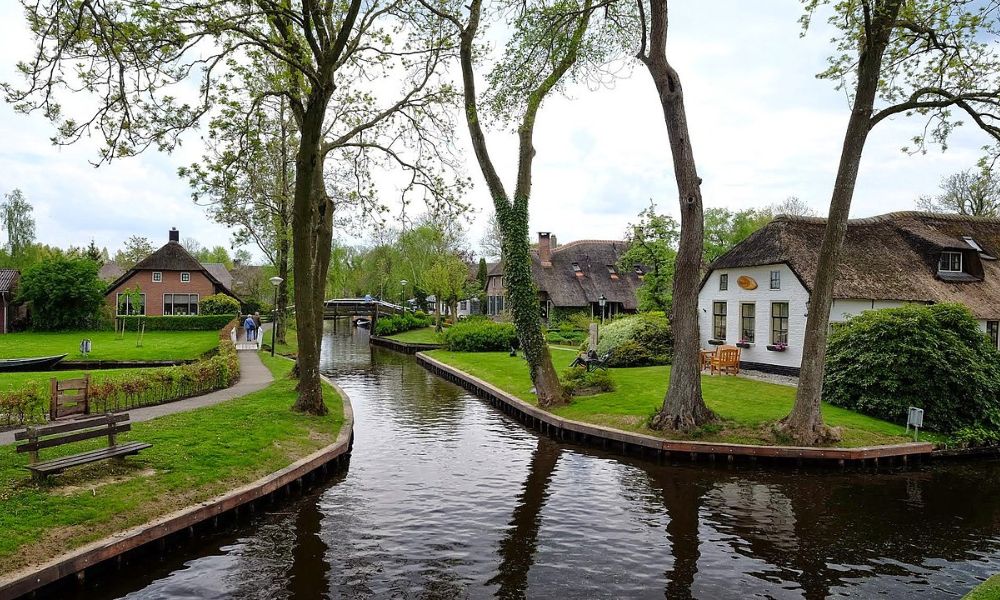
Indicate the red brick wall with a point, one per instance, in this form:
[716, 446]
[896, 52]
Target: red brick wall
[200, 284]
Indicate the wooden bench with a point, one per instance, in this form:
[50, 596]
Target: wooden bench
[69, 431]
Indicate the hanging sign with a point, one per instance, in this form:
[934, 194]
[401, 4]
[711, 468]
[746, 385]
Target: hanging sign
[746, 283]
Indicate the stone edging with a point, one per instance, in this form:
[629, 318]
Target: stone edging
[30, 579]
[639, 444]
[404, 347]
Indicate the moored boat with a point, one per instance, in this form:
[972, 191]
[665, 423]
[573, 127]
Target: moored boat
[40, 363]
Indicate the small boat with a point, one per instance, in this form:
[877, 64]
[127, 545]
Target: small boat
[41, 363]
[362, 322]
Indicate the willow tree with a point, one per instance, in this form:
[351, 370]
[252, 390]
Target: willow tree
[551, 41]
[935, 60]
[360, 78]
[683, 407]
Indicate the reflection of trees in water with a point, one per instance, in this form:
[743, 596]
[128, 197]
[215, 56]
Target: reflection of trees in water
[307, 578]
[517, 548]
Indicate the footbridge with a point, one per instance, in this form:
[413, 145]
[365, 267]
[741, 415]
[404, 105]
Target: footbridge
[359, 307]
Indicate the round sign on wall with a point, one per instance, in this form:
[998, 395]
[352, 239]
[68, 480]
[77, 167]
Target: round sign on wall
[746, 283]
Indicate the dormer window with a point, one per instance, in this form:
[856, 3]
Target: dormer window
[612, 272]
[577, 270]
[975, 245]
[951, 262]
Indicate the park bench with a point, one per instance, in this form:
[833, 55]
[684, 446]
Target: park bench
[591, 361]
[75, 430]
[725, 360]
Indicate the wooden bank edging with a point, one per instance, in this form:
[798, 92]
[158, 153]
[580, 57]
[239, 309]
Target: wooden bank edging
[404, 347]
[636, 443]
[76, 562]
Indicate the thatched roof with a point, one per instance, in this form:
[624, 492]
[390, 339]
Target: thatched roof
[110, 271]
[8, 280]
[565, 288]
[221, 274]
[888, 257]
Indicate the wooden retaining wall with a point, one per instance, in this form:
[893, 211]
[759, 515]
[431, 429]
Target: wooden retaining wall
[294, 476]
[653, 447]
[404, 347]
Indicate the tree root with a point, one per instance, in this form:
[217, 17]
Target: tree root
[662, 421]
[818, 435]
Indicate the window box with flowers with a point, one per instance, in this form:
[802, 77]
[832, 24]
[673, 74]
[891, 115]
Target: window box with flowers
[744, 344]
[779, 347]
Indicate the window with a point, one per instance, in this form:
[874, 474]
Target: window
[180, 304]
[748, 319]
[612, 272]
[495, 305]
[718, 320]
[975, 245]
[463, 305]
[950, 262]
[157, 276]
[185, 277]
[723, 282]
[779, 323]
[993, 328]
[126, 307]
[775, 280]
[577, 270]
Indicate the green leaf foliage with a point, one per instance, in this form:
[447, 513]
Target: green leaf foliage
[394, 324]
[578, 381]
[932, 357]
[63, 293]
[219, 304]
[478, 334]
[637, 341]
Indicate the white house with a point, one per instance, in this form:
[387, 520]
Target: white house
[757, 294]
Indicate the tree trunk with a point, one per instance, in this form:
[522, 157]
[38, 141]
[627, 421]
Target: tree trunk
[307, 220]
[683, 408]
[282, 307]
[805, 422]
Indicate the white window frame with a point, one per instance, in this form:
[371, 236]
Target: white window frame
[787, 318]
[950, 254]
[118, 304]
[775, 278]
[157, 276]
[197, 303]
[185, 277]
[715, 320]
[753, 330]
[723, 282]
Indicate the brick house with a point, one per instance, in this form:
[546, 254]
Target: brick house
[170, 281]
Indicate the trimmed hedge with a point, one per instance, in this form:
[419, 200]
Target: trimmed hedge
[393, 324]
[637, 341]
[932, 357]
[479, 334]
[219, 304]
[181, 322]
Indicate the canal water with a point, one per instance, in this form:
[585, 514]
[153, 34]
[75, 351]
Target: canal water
[446, 497]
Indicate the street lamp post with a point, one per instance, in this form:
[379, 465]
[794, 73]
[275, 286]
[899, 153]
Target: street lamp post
[402, 294]
[602, 301]
[275, 281]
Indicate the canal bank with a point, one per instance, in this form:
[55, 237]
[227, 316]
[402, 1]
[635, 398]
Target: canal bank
[447, 497]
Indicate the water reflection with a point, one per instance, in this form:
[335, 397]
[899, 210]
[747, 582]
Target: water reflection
[447, 498]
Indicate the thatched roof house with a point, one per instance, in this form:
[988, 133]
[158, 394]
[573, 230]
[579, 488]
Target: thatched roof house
[888, 260]
[575, 276]
[8, 287]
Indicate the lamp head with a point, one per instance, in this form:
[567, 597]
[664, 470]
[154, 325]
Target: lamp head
[276, 281]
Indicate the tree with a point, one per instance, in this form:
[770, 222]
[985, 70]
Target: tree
[792, 205]
[447, 279]
[64, 293]
[935, 59]
[15, 216]
[683, 407]
[549, 41]
[491, 242]
[94, 253]
[136, 248]
[141, 63]
[652, 244]
[972, 192]
[483, 277]
[725, 228]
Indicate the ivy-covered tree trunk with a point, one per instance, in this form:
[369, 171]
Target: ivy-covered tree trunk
[683, 408]
[805, 422]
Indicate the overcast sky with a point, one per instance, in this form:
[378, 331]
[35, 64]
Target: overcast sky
[763, 128]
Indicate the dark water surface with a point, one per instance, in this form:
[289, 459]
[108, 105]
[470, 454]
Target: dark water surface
[447, 498]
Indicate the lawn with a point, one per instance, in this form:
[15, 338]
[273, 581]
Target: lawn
[424, 335]
[987, 590]
[196, 455]
[105, 345]
[289, 348]
[745, 406]
[10, 381]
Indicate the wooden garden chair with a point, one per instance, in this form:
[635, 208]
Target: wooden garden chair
[726, 360]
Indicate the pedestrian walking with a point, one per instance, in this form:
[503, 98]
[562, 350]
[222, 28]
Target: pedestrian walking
[251, 328]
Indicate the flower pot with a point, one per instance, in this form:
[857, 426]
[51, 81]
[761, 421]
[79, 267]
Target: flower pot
[777, 348]
[716, 342]
[743, 344]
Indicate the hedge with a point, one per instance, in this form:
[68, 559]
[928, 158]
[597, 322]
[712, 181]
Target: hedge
[180, 322]
[479, 334]
[393, 324]
[637, 341]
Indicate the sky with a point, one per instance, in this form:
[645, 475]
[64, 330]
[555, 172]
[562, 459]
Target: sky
[762, 127]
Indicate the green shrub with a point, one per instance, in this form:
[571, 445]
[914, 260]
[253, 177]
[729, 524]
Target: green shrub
[64, 293]
[393, 324]
[219, 304]
[932, 357]
[646, 337]
[477, 334]
[181, 323]
[578, 381]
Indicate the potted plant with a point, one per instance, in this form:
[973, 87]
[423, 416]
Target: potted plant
[743, 344]
[779, 347]
[716, 342]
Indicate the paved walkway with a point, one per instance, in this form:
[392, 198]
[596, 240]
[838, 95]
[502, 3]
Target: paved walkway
[254, 376]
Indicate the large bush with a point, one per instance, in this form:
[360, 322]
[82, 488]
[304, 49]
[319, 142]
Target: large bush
[637, 340]
[393, 324]
[578, 381]
[219, 304]
[478, 334]
[932, 357]
[63, 293]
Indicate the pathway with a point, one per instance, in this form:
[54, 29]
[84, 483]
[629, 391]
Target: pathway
[254, 376]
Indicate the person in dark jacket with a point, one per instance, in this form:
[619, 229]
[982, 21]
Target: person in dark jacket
[251, 328]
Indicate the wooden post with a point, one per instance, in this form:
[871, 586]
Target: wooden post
[54, 402]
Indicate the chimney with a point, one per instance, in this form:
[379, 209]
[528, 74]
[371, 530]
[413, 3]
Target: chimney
[175, 236]
[545, 248]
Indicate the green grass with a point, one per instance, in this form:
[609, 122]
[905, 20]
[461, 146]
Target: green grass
[987, 590]
[105, 345]
[10, 381]
[424, 335]
[746, 407]
[289, 348]
[196, 455]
